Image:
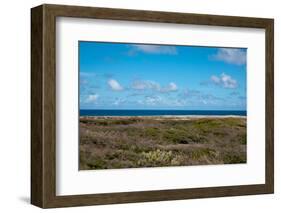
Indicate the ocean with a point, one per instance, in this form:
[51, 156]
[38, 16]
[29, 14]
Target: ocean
[132, 112]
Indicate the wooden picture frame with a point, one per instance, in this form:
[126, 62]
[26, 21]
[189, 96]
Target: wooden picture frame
[43, 105]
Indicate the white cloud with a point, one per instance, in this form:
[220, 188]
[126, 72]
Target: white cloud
[228, 81]
[153, 100]
[162, 101]
[92, 98]
[215, 79]
[190, 93]
[114, 85]
[143, 85]
[171, 87]
[155, 49]
[152, 85]
[231, 56]
[224, 80]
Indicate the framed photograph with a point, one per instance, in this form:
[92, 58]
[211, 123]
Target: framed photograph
[136, 106]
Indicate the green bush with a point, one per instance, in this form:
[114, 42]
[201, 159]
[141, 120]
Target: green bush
[152, 132]
[97, 164]
[177, 136]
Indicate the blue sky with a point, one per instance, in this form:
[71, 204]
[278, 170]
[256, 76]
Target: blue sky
[138, 76]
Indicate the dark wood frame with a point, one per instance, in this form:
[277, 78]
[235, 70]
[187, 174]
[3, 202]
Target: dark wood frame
[43, 105]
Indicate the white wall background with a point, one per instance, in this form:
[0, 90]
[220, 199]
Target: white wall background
[15, 105]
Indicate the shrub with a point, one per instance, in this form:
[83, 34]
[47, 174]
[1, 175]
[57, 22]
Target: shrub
[97, 164]
[204, 152]
[234, 158]
[152, 132]
[155, 158]
[243, 139]
[177, 136]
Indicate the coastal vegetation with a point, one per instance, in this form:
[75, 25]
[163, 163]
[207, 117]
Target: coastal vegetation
[132, 142]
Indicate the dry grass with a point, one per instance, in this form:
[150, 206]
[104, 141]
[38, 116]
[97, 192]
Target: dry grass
[131, 142]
